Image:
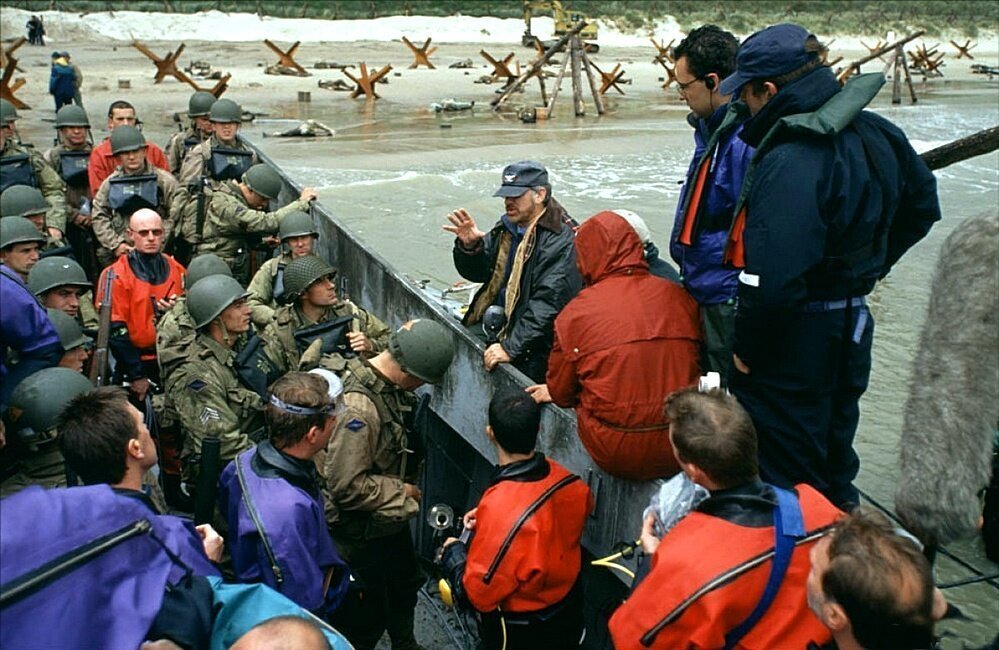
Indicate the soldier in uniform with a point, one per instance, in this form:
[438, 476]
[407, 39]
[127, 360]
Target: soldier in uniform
[22, 165]
[223, 220]
[223, 156]
[210, 394]
[136, 184]
[316, 312]
[199, 130]
[20, 243]
[370, 481]
[267, 290]
[75, 344]
[60, 283]
[36, 404]
[26, 201]
[102, 159]
[70, 158]
[175, 335]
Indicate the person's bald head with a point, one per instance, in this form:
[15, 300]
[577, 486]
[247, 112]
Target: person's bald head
[145, 228]
[283, 633]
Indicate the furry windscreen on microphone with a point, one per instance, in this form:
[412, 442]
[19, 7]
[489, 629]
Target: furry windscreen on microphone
[953, 403]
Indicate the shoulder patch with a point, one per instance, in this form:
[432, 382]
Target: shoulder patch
[355, 425]
[197, 385]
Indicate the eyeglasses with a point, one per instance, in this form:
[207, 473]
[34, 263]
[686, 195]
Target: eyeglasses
[152, 232]
[683, 86]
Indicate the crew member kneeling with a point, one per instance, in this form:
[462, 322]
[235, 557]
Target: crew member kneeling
[712, 584]
[521, 567]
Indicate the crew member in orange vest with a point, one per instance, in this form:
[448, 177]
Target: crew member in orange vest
[520, 570]
[146, 284]
[711, 582]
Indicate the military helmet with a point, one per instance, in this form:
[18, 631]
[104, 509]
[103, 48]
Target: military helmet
[302, 272]
[17, 230]
[8, 113]
[126, 138]
[225, 111]
[422, 348]
[296, 224]
[56, 271]
[71, 115]
[263, 180]
[22, 201]
[70, 333]
[204, 265]
[42, 396]
[200, 103]
[210, 296]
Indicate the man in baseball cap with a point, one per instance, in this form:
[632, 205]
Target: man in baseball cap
[814, 229]
[526, 264]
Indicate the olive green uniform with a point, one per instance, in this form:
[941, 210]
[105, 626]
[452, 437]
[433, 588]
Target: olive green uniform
[175, 335]
[40, 464]
[195, 166]
[176, 150]
[211, 401]
[49, 182]
[262, 302]
[282, 348]
[228, 222]
[364, 468]
[74, 195]
[109, 226]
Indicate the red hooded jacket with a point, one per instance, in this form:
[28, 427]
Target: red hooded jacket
[624, 343]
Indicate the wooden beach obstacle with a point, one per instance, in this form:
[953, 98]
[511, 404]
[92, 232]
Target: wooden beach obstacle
[365, 84]
[576, 57]
[897, 61]
[854, 67]
[421, 55]
[610, 79]
[286, 59]
[9, 85]
[501, 67]
[927, 61]
[964, 50]
[166, 65]
[664, 57]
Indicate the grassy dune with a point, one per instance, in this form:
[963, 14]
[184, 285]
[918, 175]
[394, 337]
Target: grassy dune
[825, 16]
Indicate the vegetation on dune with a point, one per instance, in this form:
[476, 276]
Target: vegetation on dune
[823, 16]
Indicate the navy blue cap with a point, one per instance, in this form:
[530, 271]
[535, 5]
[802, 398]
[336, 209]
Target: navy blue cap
[522, 176]
[768, 53]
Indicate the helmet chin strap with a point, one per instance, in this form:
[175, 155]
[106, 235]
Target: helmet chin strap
[225, 331]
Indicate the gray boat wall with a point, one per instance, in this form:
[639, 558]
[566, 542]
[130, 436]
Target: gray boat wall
[459, 457]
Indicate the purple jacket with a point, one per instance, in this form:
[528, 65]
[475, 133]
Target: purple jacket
[111, 600]
[26, 329]
[285, 498]
[704, 276]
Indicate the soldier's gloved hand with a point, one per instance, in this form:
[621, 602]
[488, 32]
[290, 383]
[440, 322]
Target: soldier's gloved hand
[312, 355]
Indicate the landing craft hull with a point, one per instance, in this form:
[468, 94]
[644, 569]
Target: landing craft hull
[459, 456]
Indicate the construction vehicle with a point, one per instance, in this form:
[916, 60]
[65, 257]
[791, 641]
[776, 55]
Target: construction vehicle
[564, 20]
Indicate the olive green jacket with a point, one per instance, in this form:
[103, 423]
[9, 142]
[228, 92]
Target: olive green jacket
[49, 182]
[261, 289]
[110, 226]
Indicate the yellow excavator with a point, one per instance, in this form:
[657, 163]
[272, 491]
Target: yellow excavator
[564, 20]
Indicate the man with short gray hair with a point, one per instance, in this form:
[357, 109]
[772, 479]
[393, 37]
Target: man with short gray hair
[526, 264]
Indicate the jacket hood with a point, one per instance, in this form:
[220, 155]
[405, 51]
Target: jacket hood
[606, 244]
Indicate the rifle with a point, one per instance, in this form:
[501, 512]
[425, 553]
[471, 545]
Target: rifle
[199, 219]
[99, 362]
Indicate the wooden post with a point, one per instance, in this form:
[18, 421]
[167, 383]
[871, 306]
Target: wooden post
[577, 80]
[558, 85]
[541, 82]
[908, 77]
[970, 146]
[534, 67]
[896, 79]
[597, 97]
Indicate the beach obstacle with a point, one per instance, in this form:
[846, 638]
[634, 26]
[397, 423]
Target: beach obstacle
[420, 54]
[166, 65]
[928, 61]
[365, 84]
[286, 59]
[964, 50]
[854, 66]
[879, 47]
[610, 79]
[8, 53]
[664, 53]
[501, 68]
[9, 85]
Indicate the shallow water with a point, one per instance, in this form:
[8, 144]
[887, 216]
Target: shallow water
[392, 174]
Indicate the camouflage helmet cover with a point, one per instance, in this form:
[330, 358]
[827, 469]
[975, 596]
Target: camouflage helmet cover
[302, 272]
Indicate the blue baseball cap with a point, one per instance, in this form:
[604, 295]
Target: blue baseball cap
[768, 53]
[522, 176]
